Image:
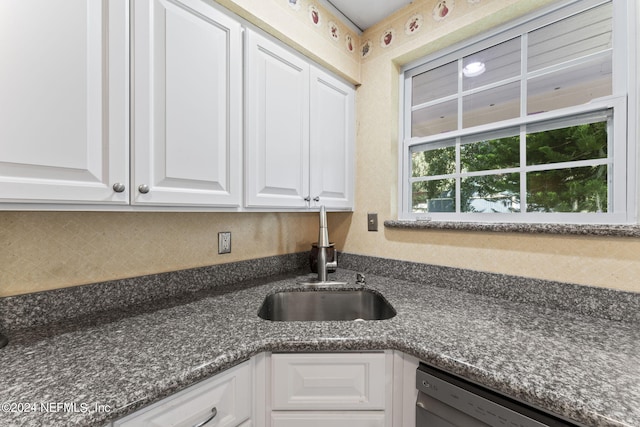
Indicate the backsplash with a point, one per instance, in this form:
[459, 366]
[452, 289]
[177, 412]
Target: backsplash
[591, 301]
[48, 250]
[83, 306]
[98, 301]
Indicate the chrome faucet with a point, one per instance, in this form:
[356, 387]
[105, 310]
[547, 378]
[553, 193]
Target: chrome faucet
[323, 244]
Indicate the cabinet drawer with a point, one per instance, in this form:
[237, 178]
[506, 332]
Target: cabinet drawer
[229, 392]
[327, 419]
[328, 381]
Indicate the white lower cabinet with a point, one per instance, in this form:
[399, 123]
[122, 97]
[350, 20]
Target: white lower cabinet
[328, 419]
[230, 393]
[365, 389]
[328, 389]
[342, 381]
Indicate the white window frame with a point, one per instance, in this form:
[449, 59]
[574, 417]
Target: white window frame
[623, 101]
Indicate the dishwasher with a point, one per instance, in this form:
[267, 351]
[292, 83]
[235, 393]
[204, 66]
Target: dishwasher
[446, 400]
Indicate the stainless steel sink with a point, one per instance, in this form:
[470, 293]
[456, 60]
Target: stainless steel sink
[317, 305]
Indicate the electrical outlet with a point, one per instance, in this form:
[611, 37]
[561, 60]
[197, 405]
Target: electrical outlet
[224, 242]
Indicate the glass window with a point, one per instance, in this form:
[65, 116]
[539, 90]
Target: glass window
[491, 193]
[435, 119]
[571, 86]
[435, 84]
[490, 151]
[568, 190]
[577, 36]
[533, 126]
[437, 195]
[433, 161]
[495, 64]
[567, 144]
[491, 105]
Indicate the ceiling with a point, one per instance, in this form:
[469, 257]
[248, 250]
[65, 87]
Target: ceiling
[365, 13]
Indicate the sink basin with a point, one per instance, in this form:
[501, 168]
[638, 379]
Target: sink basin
[318, 305]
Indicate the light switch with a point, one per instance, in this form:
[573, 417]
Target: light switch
[372, 221]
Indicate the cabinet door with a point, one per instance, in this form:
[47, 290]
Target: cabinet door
[230, 393]
[277, 125]
[332, 141]
[343, 381]
[187, 104]
[328, 419]
[64, 101]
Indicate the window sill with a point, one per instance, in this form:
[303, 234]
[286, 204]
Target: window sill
[570, 229]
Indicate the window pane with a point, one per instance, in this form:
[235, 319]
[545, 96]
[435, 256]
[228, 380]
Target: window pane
[435, 84]
[499, 62]
[491, 193]
[434, 196]
[435, 119]
[497, 150]
[571, 86]
[574, 37]
[494, 105]
[581, 142]
[568, 190]
[439, 161]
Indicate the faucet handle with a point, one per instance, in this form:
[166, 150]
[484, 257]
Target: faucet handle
[360, 279]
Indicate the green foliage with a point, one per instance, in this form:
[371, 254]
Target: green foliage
[492, 154]
[569, 144]
[441, 161]
[582, 189]
[568, 190]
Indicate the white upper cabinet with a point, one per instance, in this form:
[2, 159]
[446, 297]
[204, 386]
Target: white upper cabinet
[159, 105]
[187, 105]
[332, 141]
[277, 125]
[299, 131]
[64, 101]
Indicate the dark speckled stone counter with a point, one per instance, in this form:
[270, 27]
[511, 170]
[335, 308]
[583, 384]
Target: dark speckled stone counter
[621, 230]
[582, 367]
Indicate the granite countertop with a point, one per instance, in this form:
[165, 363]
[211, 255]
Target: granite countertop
[584, 368]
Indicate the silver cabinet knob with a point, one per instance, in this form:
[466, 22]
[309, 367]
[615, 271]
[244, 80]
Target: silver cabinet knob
[307, 199]
[144, 188]
[118, 187]
[316, 199]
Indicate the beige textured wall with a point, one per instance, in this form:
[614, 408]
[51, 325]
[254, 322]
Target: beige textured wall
[48, 250]
[606, 262]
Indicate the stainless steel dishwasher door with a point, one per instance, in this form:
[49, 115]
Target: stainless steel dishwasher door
[446, 400]
[431, 412]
